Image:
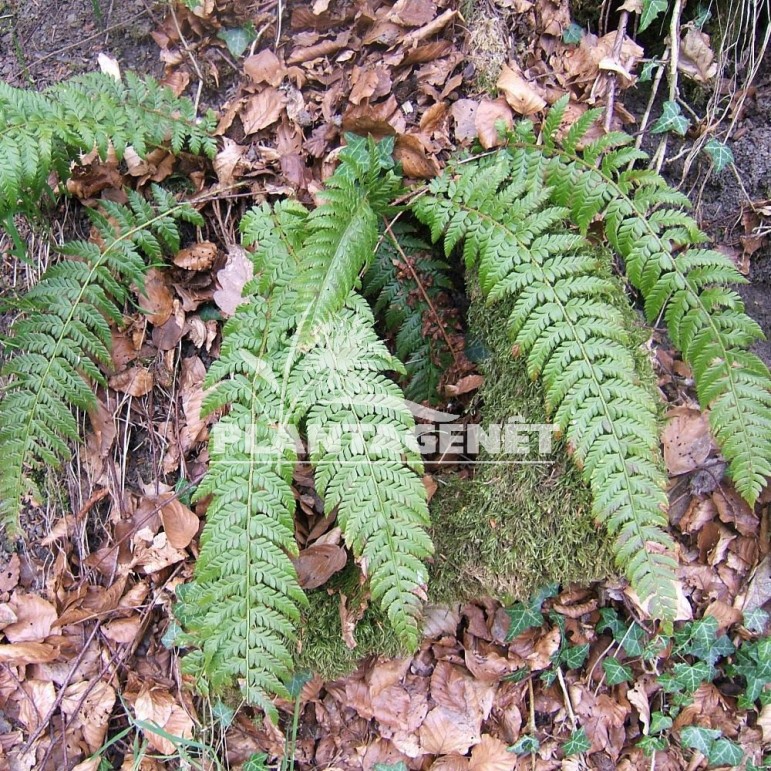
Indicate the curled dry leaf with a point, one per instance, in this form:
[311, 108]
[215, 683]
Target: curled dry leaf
[229, 162]
[136, 382]
[697, 59]
[191, 393]
[465, 385]
[35, 617]
[318, 563]
[179, 523]
[199, 256]
[409, 151]
[19, 654]
[519, 92]
[237, 271]
[156, 706]
[156, 300]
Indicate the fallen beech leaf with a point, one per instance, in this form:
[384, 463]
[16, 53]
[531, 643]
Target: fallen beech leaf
[431, 486]
[122, 630]
[412, 13]
[199, 256]
[262, 110]
[450, 763]
[726, 615]
[191, 394]
[156, 300]
[27, 653]
[159, 707]
[35, 617]
[135, 382]
[447, 731]
[465, 385]
[229, 162]
[464, 113]
[519, 93]
[166, 336]
[33, 710]
[764, 723]
[7, 616]
[264, 67]
[491, 754]
[179, 523]
[697, 59]
[237, 271]
[409, 151]
[639, 700]
[318, 563]
[687, 440]
[9, 575]
[488, 115]
[89, 705]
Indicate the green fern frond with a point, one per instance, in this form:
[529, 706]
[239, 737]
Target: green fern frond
[685, 284]
[61, 340]
[44, 132]
[398, 299]
[566, 316]
[295, 366]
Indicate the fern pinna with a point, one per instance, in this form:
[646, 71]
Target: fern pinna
[406, 296]
[44, 132]
[302, 367]
[567, 318]
[681, 281]
[61, 339]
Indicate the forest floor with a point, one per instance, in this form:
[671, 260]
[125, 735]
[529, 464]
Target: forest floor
[90, 590]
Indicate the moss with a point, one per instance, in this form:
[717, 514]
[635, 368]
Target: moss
[321, 647]
[513, 527]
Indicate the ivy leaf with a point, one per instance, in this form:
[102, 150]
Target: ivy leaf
[724, 752]
[238, 39]
[690, 676]
[671, 120]
[651, 744]
[609, 620]
[651, 10]
[522, 618]
[572, 34]
[659, 722]
[755, 621]
[699, 738]
[574, 656]
[646, 73]
[719, 153]
[577, 743]
[616, 672]
[525, 745]
[703, 643]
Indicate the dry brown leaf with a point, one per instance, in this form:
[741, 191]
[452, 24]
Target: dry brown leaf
[431, 486]
[412, 13]
[154, 705]
[519, 92]
[237, 271]
[35, 617]
[687, 440]
[465, 385]
[409, 151]
[155, 553]
[192, 394]
[199, 256]
[639, 700]
[697, 59]
[9, 575]
[229, 162]
[7, 616]
[28, 653]
[734, 510]
[318, 563]
[179, 523]
[491, 754]
[450, 763]
[156, 300]
[489, 114]
[33, 710]
[122, 630]
[262, 110]
[464, 113]
[136, 382]
[446, 731]
[166, 336]
[264, 67]
[764, 723]
[89, 705]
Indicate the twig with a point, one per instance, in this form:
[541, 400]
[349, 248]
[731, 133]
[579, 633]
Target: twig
[568, 703]
[618, 44]
[189, 52]
[674, 60]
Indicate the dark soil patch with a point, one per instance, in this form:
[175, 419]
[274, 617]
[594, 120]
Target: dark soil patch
[45, 41]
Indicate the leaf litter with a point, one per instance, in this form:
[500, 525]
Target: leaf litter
[85, 622]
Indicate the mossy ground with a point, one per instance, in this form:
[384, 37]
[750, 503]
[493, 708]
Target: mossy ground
[514, 526]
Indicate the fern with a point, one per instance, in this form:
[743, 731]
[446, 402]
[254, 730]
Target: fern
[567, 318]
[296, 365]
[403, 303]
[61, 339]
[44, 132]
[681, 281]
